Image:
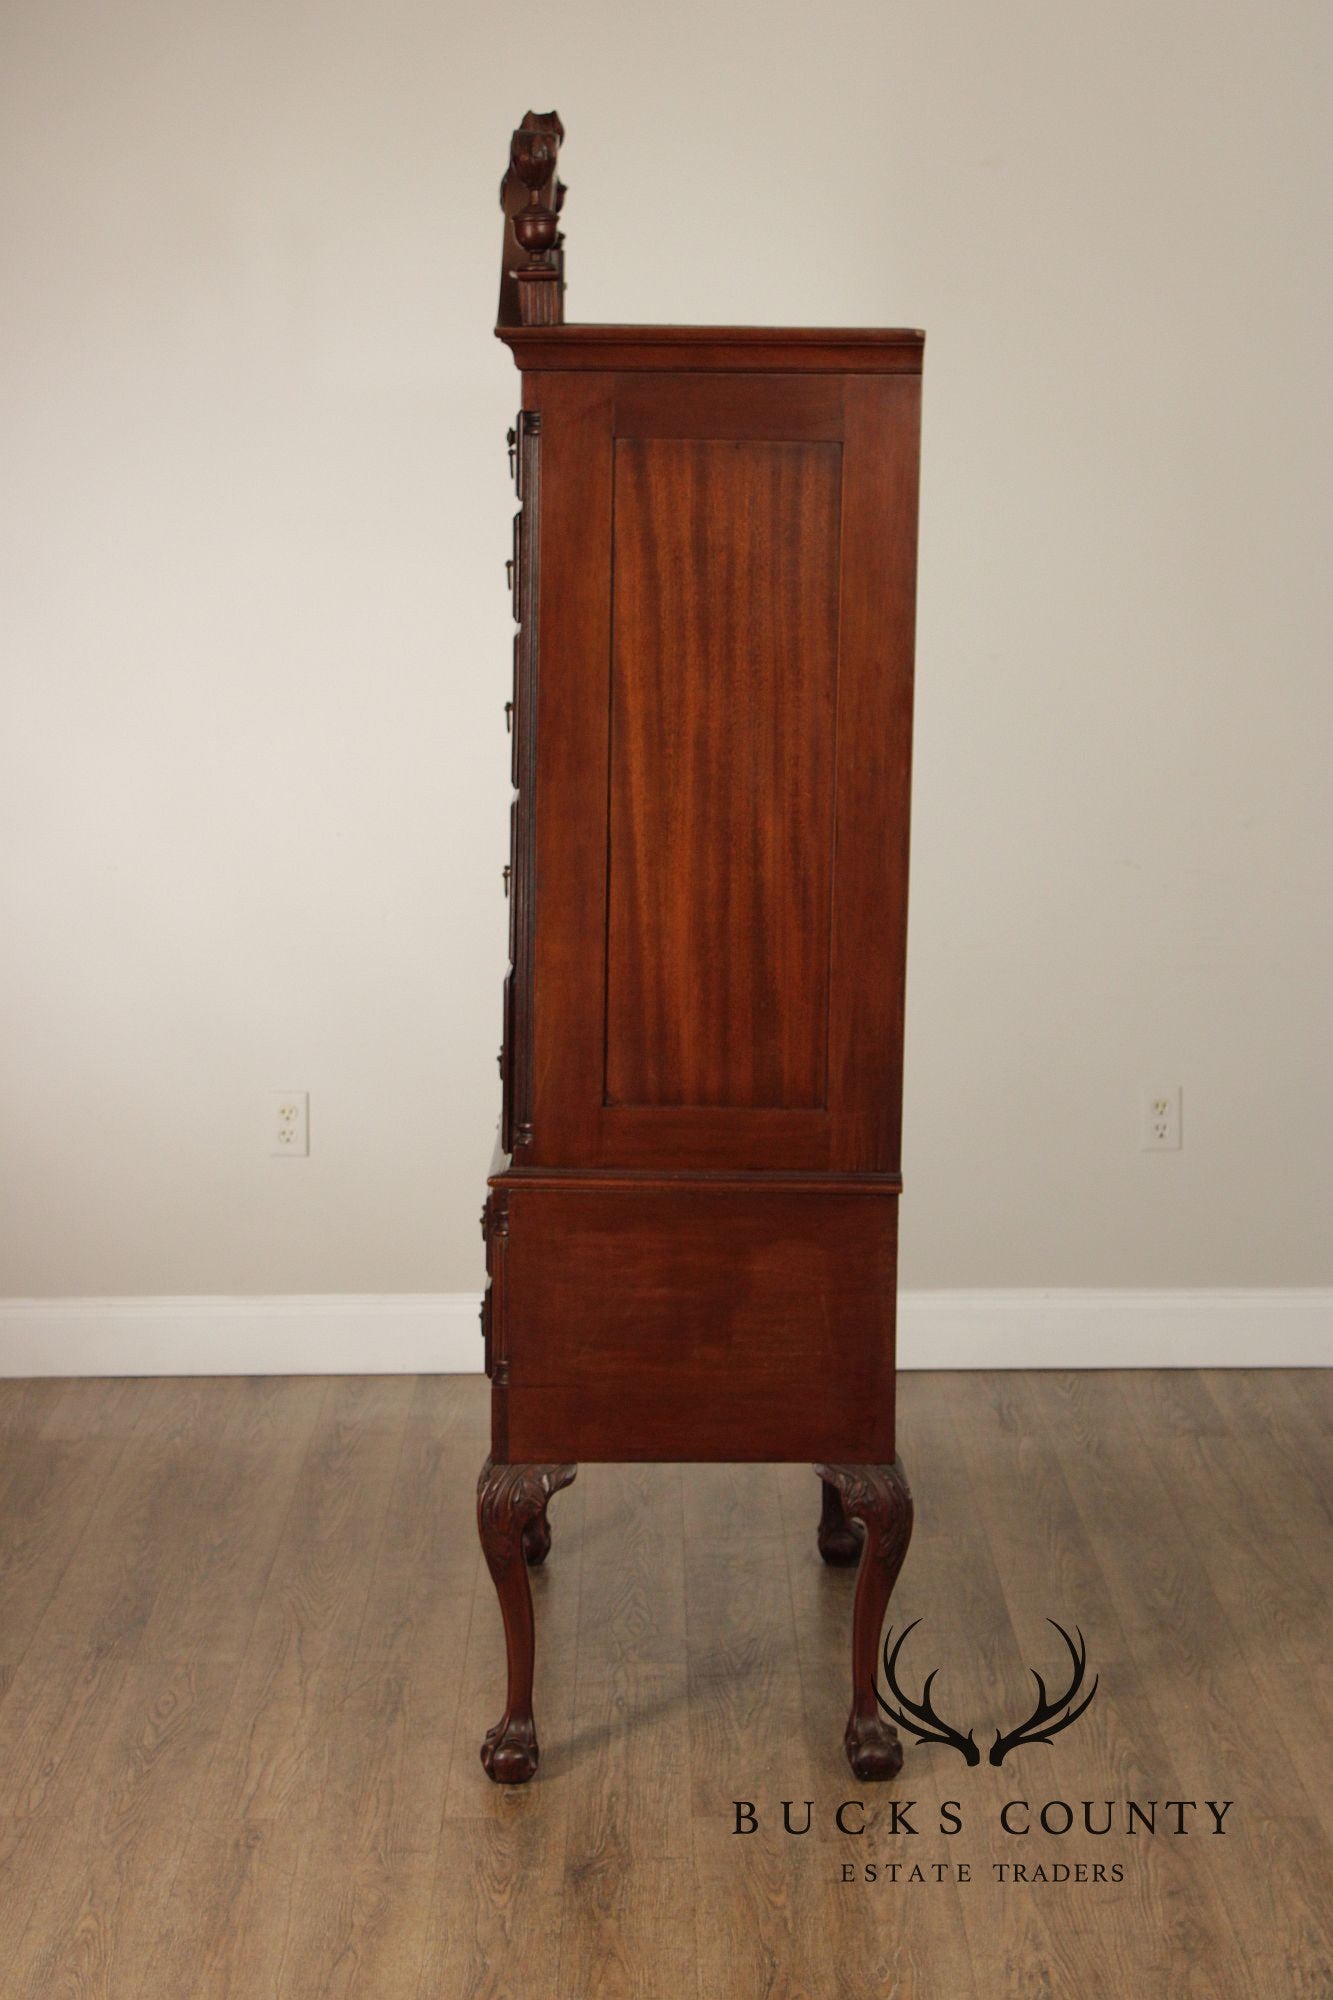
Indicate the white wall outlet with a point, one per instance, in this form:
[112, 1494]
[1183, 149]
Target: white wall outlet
[1159, 1119]
[289, 1124]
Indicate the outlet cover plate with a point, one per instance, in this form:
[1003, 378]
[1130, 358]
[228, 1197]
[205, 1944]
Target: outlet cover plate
[1160, 1128]
[289, 1124]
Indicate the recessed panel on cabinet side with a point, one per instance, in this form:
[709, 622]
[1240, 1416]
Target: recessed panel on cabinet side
[723, 757]
[724, 674]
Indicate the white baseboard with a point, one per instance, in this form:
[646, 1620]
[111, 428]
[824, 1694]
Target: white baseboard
[330, 1333]
[436, 1333]
[1285, 1327]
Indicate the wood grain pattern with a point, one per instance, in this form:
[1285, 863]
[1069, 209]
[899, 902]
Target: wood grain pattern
[724, 677]
[685, 1324]
[721, 855]
[787, 407]
[94, 1923]
[693, 1652]
[749, 349]
[48, 1494]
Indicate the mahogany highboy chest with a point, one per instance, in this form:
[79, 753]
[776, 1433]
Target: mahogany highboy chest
[691, 1229]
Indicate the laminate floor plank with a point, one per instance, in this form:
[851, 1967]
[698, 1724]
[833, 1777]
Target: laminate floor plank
[745, 1700]
[59, 1704]
[366, 1873]
[105, 1593]
[1210, 1708]
[1293, 1406]
[273, 1756]
[497, 1911]
[94, 1921]
[427, 1565]
[1283, 1422]
[318, 1590]
[106, 1406]
[48, 1497]
[1013, 1941]
[25, 1404]
[1279, 1604]
[216, 1569]
[1164, 1913]
[725, 1504]
[761, 1917]
[357, 1928]
[631, 1695]
[225, 1931]
[620, 1930]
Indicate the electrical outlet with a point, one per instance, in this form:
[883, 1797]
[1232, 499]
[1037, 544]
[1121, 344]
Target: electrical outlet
[1159, 1116]
[289, 1124]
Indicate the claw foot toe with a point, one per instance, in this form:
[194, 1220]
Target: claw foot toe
[873, 1750]
[509, 1755]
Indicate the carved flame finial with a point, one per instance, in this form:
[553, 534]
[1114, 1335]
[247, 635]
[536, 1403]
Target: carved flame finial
[532, 271]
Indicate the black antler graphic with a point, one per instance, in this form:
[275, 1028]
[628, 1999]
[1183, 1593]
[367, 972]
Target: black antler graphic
[1046, 1719]
[921, 1719]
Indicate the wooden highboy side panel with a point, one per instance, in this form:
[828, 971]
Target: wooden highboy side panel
[723, 751]
[697, 1322]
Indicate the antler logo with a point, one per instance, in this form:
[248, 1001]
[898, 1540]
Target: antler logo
[1046, 1721]
[921, 1719]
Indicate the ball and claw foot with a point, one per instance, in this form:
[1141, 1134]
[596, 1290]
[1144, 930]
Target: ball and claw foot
[511, 1518]
[877, 1497]
[510, 1753]
[873, 1749]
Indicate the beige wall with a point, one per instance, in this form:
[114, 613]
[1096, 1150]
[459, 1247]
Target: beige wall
[254, 783]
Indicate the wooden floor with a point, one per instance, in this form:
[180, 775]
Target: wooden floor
[247, 1653]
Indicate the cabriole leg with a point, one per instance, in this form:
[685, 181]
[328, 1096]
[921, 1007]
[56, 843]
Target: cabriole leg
[511, 1501]
[877, 1496]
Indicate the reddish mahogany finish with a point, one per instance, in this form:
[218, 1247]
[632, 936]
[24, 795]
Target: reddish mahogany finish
[692, 1231]
[821, 350]
[724, 673]
[877, 1497]
[694, 1321]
